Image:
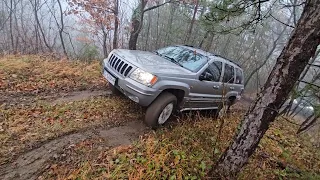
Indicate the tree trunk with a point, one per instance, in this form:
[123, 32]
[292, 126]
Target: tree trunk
[170, 22]
[209, 42]
[116, 25]
[11, 28]
[137, 20]
[290, 64]
[148, 33]
[36, 6]
[104, 46]
[134, 34]
[157, 29]
[192, 22]
[203, 39]
[62, 29]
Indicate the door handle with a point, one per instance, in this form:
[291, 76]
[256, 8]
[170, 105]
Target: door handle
[216, 87]
[232, 88]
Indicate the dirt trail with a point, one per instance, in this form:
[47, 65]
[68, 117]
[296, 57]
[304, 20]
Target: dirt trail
[32, 163]
[79, 95]
[57, 98]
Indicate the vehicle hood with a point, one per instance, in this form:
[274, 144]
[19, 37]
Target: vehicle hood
[150, 62]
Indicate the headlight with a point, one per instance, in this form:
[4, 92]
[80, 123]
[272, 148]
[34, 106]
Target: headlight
[143, 77]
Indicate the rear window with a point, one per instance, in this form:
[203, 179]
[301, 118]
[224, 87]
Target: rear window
[228, 76]
[239, 76]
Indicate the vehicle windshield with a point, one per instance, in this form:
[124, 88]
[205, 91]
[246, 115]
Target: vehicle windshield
[184, 57]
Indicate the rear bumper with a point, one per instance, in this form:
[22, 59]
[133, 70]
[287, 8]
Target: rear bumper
[135, 91]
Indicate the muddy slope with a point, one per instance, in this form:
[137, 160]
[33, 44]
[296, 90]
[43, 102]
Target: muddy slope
[32, 163]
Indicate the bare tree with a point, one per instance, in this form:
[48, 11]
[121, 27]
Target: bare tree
[61, 29]
[36, 7]
[137, 20]
[188, 35]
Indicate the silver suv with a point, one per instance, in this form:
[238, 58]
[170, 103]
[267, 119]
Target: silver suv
[173, 78]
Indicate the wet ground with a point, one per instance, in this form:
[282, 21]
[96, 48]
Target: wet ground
[31, 163]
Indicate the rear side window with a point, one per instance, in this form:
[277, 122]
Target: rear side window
[228, 76]
[239, 76]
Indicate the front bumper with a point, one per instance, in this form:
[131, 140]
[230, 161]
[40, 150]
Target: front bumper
[135, 91]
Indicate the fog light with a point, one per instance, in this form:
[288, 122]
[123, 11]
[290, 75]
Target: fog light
[134, 98]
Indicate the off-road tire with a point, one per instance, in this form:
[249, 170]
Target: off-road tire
[157, 106]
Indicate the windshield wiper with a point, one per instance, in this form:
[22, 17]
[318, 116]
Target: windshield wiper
[173, 60]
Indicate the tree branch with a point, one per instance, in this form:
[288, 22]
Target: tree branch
[314, 65]
[309, 83]
[159, 5]
[281, 21]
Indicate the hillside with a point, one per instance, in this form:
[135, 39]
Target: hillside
[44, 101]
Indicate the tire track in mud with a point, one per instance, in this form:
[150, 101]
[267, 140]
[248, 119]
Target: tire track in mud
[32, 163]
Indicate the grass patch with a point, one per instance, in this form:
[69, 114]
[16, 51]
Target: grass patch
[24, 126]
[34, 74]
[190, 149]
[28, 120]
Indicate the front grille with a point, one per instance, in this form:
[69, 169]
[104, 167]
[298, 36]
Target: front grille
[119, 65]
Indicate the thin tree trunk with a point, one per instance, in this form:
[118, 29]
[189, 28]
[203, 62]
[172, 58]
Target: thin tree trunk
[192, 22]
[16, 27]
[287, 70]
[210, 42]
[203, 39]
[148, 32]
[157, 29]
[39, 25]
[116, 25]
[104, 45]
[170, 21]
[10, 26]
[62, 29]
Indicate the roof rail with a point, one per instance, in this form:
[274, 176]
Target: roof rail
[188, 45]
[227, 59]
[217, 56]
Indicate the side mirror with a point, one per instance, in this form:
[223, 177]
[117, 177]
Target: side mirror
[205, 77]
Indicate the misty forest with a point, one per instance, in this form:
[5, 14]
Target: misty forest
[59, 120]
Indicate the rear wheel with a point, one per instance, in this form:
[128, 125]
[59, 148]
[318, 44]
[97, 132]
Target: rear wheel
[160, 110]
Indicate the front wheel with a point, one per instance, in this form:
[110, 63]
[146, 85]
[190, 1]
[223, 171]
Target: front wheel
[160, 110]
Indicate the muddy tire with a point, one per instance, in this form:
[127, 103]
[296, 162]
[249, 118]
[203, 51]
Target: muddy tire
[160, 110]
[114, 90]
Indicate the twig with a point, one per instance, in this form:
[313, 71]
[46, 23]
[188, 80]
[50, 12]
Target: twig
[281, 21]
